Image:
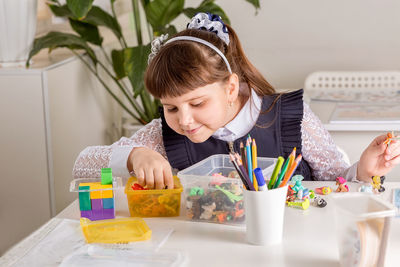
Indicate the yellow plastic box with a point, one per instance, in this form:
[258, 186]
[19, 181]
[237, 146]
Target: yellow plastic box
[123, 230]
[154, 202]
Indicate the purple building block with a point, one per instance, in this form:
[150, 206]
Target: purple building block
[97, 204]
[108, 214]
[87, 214]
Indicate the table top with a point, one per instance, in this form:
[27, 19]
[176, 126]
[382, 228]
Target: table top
[309, 237]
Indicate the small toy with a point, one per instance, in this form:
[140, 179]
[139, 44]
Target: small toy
[365, 188]
[96, 199]
[377, 182]
[390, 137]
[341, 183]
[219, 203]
[297, 183]
[137, 186]
[324, 190]
[300, 204]
[319, 202]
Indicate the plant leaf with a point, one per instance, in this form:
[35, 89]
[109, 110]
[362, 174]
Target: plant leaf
[117, 57]
[99, 17]
[161, 12]
[135, 63]
[207, 6]
[54, 40]
[255, 3]
[88, 32]
[61, 11]
[95, 17]
[79, 8]
[171, 30]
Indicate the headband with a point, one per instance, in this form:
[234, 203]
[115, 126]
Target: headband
[204, 42]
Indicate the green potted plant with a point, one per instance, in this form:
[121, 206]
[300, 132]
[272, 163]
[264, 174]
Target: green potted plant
[130, 60]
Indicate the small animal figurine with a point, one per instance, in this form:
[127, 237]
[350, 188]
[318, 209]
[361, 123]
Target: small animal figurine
[319, 202]
[341, 183]
[377, 182]
[297, 183]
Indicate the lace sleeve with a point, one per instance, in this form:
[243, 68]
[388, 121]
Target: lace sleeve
[319, 150]
[93, 158]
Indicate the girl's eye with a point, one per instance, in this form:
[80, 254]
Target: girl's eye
[172, 109]
[198, 104]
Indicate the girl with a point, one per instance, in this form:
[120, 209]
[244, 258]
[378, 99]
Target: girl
[212, 97]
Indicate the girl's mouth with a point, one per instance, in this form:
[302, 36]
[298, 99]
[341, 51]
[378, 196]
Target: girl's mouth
[193, 131]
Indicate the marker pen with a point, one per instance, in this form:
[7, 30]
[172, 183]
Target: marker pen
[260, 179]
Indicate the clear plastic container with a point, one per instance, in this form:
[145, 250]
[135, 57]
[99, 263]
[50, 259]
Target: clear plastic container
[96, 201]
[155, 202]
[216, 199]
[362, 222]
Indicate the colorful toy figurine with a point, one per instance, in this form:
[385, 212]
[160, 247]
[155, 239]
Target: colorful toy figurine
[342, 186]
[377, 182]
[300, 204]
[319, 202]
[390, 137]
[324, 190]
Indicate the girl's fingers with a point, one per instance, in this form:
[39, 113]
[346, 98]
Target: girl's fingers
[159, 178]
[394, 161]
[140, 177]
[168, 178]
[149, 179]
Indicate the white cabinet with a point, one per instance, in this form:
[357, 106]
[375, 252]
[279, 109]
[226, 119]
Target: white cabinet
[48, 114]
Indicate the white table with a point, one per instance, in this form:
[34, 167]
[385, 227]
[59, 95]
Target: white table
[309, 238]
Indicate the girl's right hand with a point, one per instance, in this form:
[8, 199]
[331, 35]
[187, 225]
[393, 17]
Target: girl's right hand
[151, 168]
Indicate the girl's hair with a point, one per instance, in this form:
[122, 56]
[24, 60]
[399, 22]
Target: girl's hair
[182, 66]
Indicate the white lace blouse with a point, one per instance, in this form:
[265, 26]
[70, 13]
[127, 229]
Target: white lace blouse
[318, 149]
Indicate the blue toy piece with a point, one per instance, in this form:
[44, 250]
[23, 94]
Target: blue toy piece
[297, 183]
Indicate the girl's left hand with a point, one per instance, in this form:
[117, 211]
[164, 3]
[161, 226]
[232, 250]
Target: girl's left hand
[378, 158]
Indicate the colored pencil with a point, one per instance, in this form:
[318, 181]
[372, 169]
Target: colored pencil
[239, 171]
[275, 172]
[248, 157]
[254, 162]
[283, 171]
[292, 157]
[291, 170]
[243, 155]
[245, 175]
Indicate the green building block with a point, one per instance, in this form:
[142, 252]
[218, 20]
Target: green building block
[106, 176]
[84, 199]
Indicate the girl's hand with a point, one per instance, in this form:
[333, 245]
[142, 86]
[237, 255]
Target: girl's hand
[151, 168]
[378, 158]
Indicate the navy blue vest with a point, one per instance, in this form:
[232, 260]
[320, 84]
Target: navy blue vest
[276, 133]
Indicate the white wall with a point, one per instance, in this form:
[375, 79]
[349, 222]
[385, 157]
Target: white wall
[289, 39]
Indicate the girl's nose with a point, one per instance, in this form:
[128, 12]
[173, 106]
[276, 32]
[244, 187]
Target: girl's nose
[185, 118]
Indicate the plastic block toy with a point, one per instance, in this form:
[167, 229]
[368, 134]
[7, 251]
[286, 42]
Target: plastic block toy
[96, 199]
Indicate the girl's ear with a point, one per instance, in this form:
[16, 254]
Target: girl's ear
[232, 89]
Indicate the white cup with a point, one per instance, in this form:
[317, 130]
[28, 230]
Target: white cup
[265, 212]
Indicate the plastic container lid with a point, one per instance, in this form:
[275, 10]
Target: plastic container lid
[122, 230]
[363, 206]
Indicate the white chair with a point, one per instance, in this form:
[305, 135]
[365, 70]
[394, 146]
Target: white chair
[352, 80]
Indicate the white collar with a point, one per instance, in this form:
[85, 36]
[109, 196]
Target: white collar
[243, 122]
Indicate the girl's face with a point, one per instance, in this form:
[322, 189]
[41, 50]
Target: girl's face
[199, 113]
